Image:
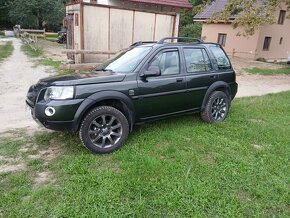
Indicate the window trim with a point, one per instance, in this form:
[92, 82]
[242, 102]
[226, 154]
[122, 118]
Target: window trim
[269, 43]
[174, 49]
[197, 72]
[223, 37]
[281, 18]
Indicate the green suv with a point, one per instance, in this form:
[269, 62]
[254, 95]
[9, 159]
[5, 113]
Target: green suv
[148, 81]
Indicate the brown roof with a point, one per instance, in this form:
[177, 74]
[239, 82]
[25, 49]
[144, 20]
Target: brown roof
[172, 3]
[215, 7]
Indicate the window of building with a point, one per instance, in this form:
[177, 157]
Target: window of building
[221, 58]
[222, 39]
[196, 60]
[282, 16]
[281, 41]
[267, 43]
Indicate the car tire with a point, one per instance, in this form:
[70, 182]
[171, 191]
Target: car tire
[104, 129]
[216, 108]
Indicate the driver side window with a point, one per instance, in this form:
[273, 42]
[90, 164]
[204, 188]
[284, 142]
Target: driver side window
[168, 62]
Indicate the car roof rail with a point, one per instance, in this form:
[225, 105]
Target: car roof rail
[142, 42]
[186, 38]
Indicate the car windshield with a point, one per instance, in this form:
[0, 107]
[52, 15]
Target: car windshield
[126, 61]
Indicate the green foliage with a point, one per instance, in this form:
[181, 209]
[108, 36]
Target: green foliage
[41, 60]
[191, 30]
[251, 13]
[6, 50]
[37, 14]
[187, 27]
[255, 70]
[180, 167]
[4, 20]
[31, 53]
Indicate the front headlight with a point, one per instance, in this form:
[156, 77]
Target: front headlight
[59, 93]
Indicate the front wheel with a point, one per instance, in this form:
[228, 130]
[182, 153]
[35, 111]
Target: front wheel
[104, 129]
[216, 108]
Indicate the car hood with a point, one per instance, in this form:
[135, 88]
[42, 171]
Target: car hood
[94, 77]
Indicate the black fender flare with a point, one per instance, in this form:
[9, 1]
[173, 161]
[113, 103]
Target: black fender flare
[101, 96]
[213, 87]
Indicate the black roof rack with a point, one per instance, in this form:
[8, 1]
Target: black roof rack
[186, 38]
[142, 42]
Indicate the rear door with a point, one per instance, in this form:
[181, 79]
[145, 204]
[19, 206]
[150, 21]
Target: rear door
[200, 74]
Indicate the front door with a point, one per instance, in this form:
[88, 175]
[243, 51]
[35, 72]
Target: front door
[162, 95]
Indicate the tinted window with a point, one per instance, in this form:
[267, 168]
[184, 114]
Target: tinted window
[222, 61]
[196, 60]
[168, 62]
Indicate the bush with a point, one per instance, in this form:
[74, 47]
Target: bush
[191, 30]
[261, 59]
[2, 33]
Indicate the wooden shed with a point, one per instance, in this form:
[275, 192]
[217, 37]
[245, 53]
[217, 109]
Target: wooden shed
[101, 27]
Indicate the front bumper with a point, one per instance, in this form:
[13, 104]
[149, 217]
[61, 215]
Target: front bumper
[64, 117]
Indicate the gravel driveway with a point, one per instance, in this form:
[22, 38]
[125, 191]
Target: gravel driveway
[17, 73]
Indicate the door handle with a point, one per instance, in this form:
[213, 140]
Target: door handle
[179, 80]
[213, 76]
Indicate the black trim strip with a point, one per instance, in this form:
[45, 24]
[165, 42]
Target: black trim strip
[169, 93]
[171, 114]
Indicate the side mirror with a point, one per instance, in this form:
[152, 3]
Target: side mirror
[152, 71]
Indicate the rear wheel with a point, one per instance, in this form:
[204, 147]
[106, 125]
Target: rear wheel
[216, 108]
[104, 130]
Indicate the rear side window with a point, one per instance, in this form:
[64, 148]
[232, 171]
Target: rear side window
[222, 60]
[196, 60]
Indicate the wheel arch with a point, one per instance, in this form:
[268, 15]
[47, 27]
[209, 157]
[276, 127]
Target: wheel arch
[115, 99]
[216, 86]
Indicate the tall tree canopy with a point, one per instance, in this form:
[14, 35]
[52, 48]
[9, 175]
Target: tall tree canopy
[4, 20]
[251, 13]
[37, 14]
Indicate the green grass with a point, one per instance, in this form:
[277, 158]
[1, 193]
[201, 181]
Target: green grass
[41, 60]
[30, 52]
[255, 70]
[6, 50]
[180, 167]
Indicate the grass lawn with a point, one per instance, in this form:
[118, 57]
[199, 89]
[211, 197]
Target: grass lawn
[255, 70]
[41, 60]
[6, 50]
[180, 167]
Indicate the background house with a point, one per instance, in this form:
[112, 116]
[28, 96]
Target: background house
[271, 42]
[112, 25]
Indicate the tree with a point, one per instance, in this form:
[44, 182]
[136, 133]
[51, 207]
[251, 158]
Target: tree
[4, 19]
[37, 14]
[250, 14]
[188, 28]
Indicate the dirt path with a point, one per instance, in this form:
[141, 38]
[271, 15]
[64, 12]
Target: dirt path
[16, 75]
[257, 85]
